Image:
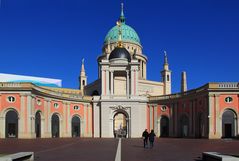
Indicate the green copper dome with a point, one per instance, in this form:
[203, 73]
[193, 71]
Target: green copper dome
[128, 33]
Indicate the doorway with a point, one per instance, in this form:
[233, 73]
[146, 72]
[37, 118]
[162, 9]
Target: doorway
[120, 125]
[55, 126]
[229, 122]
[11, 130]
[164, 126]
[75, 126]
[38, 124]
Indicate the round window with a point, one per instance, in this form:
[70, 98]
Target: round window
[163, 108]
[228, 99]
[56, 105]
[38, 102]
[76, 107]
[11, 99]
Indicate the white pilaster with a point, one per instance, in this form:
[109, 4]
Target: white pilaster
[151, 117]
[21, 124]
[155, 119]
[107, 83]
[68, 133]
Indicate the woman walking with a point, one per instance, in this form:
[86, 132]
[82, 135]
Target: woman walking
[151, 138]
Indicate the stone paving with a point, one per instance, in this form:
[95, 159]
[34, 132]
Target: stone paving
[172, 149]
[75, 149]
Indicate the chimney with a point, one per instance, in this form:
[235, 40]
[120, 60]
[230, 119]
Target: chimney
[184, 82]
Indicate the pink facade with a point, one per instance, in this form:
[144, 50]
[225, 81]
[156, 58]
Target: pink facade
[210, 111]
[27, 103]
[29, 111]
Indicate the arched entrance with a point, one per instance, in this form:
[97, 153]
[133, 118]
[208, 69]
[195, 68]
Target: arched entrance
[164, 126]
[120, 125]
[55, 126]
[38, 124]
[229, 122]
[184, 128]
[75, 126]
[11, 130]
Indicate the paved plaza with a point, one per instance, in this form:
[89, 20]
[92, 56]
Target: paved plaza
[75, 149]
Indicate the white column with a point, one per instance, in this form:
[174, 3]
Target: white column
[103, 76]
[127, 80]
[136, 81]
[46, 132]
[21, 123]
[84, 122]
[29, 115]
[89, 120]
[218, 121]
[49, 118]
[65, 119]
[210, 116]
[145, 70]
[158, 124]
[96, 119]
[2, 127]
[68, 120]
[112, 82]
[132, 82]
[33, 132]
[155, 119]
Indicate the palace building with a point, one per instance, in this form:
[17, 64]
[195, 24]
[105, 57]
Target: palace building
[122, 102]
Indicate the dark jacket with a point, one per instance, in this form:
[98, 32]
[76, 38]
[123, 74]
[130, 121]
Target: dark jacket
[145, 134]
[151, 136]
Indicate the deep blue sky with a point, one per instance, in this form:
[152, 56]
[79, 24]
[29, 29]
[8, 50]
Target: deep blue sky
[48, 38]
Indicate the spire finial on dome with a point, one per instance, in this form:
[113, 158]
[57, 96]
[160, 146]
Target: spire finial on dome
[122, 18]
[120, 44]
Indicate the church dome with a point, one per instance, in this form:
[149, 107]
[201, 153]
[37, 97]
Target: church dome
[119, 52]
[128, 35]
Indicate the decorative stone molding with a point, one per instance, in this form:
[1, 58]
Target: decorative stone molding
[119, 107]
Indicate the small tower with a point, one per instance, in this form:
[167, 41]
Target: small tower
[82, 77]
[184, 82]
[166, 75]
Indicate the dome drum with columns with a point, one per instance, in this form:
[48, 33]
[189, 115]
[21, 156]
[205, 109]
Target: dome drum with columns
[130, 41]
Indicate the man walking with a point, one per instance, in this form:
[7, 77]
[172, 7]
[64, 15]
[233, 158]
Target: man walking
[145, 136]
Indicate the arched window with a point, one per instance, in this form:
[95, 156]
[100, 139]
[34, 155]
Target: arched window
[168, 77]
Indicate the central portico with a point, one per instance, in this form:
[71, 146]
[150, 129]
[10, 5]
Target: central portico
[119, 82]
[120, 94]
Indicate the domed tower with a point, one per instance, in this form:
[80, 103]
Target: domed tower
[130, 41]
